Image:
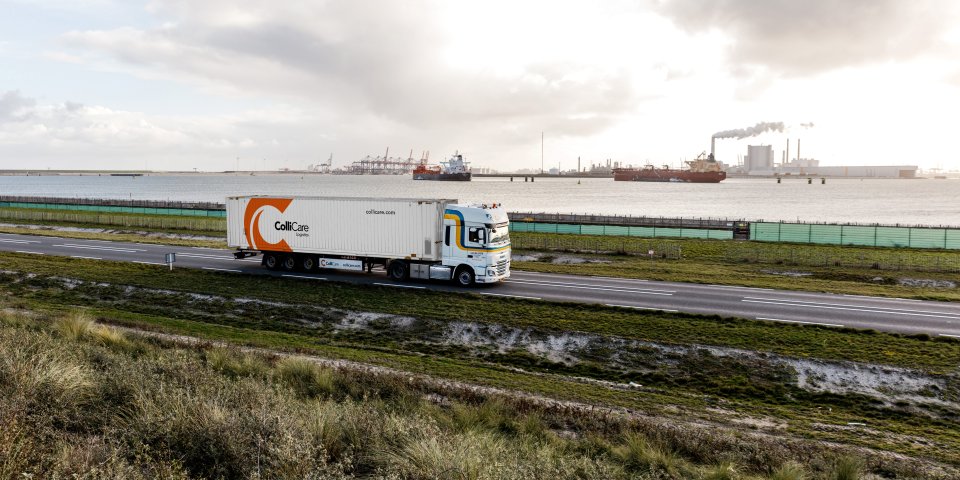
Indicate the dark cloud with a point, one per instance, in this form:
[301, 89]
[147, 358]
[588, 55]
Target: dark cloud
[807, 37]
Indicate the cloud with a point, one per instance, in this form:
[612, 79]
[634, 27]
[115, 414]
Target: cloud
[804, 38]
[365, 58]
[15, 107]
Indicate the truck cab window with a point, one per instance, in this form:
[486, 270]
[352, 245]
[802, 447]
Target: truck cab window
[475, 235]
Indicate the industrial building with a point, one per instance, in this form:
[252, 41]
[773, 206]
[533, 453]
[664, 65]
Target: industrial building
[759, 162]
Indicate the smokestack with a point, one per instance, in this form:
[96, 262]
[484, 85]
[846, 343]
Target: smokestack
[798, 150]
[713, 144]
[787, 151]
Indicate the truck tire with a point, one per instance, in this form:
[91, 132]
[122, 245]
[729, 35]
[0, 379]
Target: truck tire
[289, 263]
[464, 276]
[398, 270]
[271, 261]
[308, 263]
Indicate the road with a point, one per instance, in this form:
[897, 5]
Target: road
[805, 308]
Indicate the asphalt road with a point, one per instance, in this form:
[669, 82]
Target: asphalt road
[808, 308]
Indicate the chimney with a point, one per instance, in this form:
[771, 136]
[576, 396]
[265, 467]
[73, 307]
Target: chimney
[798, 150]
[787, 151]
[713, 144]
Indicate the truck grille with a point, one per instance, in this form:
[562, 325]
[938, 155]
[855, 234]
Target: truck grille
[502, 267]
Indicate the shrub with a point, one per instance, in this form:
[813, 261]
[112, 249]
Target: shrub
[305, 377]
[789, 471]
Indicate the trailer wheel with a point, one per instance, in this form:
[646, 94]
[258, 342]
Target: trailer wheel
[308, 263]
[271, 261]
[398, 270]
[464, 276]
[289, 263]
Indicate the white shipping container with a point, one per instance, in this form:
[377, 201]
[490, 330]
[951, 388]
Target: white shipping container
[363, 227]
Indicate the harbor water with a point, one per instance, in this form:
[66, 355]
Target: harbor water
[886, 201]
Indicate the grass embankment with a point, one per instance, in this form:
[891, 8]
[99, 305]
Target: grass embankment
[909, 273]
[698, 388]
[83, 400]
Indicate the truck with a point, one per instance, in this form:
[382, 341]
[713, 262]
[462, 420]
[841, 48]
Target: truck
[429, 239]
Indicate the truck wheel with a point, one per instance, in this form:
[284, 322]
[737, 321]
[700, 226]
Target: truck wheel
[398, 270]
[289, 263]
[464, 276]
[271, 261]
[308, 263]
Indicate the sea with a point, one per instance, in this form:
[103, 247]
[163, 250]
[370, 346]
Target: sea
[868, 201]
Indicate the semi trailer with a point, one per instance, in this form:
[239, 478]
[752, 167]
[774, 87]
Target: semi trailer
[435, 239]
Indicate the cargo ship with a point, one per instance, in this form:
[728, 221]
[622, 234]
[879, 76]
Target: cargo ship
[454, 170]
[704, 169]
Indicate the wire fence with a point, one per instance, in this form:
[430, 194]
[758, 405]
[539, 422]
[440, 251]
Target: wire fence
[838, 257]
[198, 224]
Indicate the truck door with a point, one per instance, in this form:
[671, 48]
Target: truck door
[448, 246]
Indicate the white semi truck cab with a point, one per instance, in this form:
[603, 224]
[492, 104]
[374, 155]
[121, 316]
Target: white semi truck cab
[476, 238]
[438, 239]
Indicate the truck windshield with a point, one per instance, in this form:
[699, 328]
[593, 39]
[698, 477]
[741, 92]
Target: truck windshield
[499, 233]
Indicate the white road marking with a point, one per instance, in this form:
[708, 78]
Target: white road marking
[398, 286]
[558, 275]
[303, 276]
[148, 263]
[34, 253]
[641, 308]
[11, 240]
[593, 287]
[948, 335]
[93, 247]
[856, 308]
[86, 258]
[800, 321]
[511, 296]
[222, 270]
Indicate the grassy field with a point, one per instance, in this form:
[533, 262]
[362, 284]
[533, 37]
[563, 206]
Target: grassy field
[83, 219]
[83, 400]
[762, 417]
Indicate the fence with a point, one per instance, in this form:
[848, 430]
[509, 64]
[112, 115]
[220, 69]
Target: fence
[148, 207]
[860, 235]
[620, 230]
[201, 224]
[620, 220]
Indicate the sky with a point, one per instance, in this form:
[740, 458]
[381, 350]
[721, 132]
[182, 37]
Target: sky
[220, 85]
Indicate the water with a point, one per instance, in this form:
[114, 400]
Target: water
[889, 201]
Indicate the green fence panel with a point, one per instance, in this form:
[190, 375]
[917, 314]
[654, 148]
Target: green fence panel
[953, 239]
[545, 227]
[892, 237]
[927, 237]
[616, 230]
[765, 232]
[862, 236]
[795, 233]
[642, 232]
[669, 232]
[720, 234]
[825, 234]
[694, 233]
[568, 228]
[591, 229]
[520, 226]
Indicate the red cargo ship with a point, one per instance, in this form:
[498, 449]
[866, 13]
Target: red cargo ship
[704, 169]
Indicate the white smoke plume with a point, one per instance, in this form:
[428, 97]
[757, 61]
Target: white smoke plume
[753, 131]
[807, 125]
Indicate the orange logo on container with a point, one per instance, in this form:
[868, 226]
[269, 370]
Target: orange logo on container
[251, 223]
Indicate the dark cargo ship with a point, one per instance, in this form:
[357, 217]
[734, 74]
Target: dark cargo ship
[454, 170]
[704, 169]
